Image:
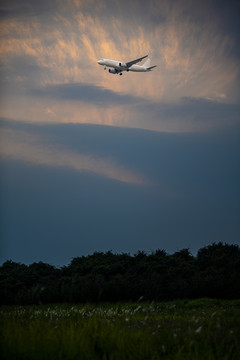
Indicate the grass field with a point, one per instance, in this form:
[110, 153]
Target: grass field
[199, 329]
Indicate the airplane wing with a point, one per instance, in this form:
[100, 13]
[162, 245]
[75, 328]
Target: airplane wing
[130, 63]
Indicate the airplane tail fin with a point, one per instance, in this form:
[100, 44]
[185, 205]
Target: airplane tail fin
[147, 63]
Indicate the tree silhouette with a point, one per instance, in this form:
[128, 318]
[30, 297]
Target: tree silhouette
[214, 272]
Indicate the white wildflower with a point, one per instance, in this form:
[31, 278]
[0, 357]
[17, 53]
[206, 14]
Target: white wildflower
[199, 329]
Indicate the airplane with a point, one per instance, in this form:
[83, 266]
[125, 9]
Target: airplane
[117, 67]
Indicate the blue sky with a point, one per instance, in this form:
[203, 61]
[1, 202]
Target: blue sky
[92, 161]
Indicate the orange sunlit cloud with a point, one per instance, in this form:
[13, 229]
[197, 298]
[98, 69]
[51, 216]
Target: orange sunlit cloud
[20, 145]
[191, 62]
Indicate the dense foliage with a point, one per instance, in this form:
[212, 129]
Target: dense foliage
[214, 272]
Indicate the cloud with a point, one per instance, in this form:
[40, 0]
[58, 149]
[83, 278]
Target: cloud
[193, 198]
[189, 115]
[86, 93]
[191, 52]
[196, 58]
[50, 77]
[23, 146]
[26, 8]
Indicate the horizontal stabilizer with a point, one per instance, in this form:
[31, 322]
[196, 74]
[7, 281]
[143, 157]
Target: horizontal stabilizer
[151, 67]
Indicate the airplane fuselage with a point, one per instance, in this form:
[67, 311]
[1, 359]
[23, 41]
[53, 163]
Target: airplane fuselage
[120, 66]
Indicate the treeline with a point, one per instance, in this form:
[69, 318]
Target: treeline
[214, 273]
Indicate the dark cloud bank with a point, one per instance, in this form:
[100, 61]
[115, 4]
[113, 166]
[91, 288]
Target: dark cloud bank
[86, 93]
[56, 214]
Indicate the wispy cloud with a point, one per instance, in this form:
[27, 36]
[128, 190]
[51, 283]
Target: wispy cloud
[24, 146]
[192, 55]
[193, 45]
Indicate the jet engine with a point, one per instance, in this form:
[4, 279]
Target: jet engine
[122, 64]
[113, 71]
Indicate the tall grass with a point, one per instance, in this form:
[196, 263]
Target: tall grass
[200, 329]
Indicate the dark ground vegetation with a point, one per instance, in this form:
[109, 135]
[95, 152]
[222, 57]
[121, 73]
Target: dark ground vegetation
[179, 330]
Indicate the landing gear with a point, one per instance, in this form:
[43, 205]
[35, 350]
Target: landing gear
[104, 67]
[120, 74]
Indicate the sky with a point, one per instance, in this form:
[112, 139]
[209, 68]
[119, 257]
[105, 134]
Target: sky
[92, 161]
